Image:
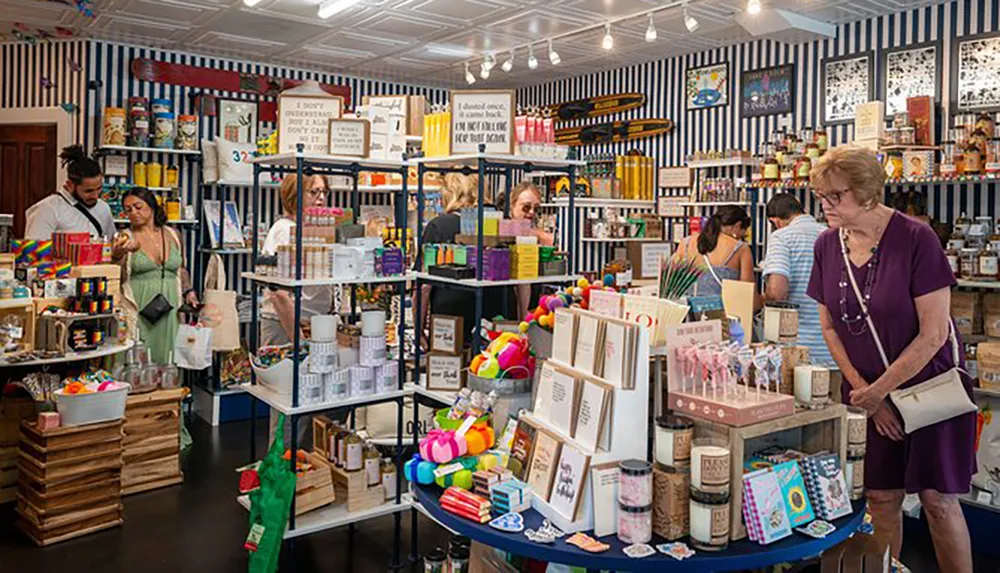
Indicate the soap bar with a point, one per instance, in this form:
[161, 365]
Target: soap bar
[49, 420]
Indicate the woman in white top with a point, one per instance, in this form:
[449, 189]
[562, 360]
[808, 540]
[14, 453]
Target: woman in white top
[277, 321]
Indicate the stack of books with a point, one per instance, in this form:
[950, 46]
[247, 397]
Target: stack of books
[826, 485]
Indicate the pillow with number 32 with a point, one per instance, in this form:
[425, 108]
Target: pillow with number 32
[234, 161]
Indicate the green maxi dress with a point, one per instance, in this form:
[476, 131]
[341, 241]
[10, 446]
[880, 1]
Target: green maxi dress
[148, 279]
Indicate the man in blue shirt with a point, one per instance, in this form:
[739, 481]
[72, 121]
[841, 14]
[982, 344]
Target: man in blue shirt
[788, 264]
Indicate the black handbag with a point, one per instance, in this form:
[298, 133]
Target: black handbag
[159, 306]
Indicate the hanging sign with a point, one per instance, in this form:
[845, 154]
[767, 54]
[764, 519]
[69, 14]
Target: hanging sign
[350, 137]
[482, 117]
[306, 119]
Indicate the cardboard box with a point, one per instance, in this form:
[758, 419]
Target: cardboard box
[104, 270]
[645, 258]
[412, 107]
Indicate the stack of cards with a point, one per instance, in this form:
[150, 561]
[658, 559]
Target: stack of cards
[466, 504]
[482, 480]
[512, 496]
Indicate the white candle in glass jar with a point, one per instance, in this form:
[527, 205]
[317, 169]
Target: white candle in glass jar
[709, 525]
[673, 441]
[709, 466]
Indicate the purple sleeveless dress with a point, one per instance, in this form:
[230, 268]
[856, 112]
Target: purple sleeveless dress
[911, 264]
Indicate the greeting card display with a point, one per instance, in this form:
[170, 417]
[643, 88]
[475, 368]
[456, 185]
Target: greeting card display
[542, 469]
[521, 449]
[570, 475]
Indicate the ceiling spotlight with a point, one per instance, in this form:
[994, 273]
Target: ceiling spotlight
[651, 30]
[753, 7]
[532, 60]
[251, 3]
[331, 7]
[554, 58]
[509, 64]
[690, 21]
[469, 78]
[608, 42]
[484, 71]
[489, 62]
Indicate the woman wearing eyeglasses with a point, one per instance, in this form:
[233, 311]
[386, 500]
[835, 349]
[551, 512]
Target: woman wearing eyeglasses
[899, 336]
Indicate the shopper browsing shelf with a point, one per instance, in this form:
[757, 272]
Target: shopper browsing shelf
[721, 247]
[902, 275]
[77, 207]
[524, 201]
[788, 264]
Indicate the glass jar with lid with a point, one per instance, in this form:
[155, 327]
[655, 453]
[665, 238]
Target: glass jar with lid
[901, 119]
[954, 260]
[812, 150]
[988, 264]
[973, 158]
[802, 166]
[906, 136]
[388, 475]
[807, 135]
[822, 140]
[948, 168]
[987, 124]
[962, 225]
[780, 151]
[993, 156]
[354, 448]
[770, 168]
[969, 263]
[373, 465]
[757, 174]
[788, 167]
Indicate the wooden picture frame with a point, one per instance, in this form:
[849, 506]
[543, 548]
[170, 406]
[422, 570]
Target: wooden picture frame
[864, 61]
[445, 372]
[447, 333]
[288, 136]
[359, 143]
[458, 120]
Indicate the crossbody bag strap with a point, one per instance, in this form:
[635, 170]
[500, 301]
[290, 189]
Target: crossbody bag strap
[86, 213]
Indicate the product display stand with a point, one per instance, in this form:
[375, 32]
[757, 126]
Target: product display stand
[301, 165]
[483, 165]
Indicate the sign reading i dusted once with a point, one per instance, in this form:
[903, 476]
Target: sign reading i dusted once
[482, 117]
[349, 137]
[306, 119]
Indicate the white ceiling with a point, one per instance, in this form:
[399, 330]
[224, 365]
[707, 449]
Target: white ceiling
[424, 41]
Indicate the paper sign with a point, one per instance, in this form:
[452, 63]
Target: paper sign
[442, 471]
[306, 119]
[349, 137]
[444, 372]
[482, 117]
[116, 165]
[671, 177]
[651, 255]
[604, 480]
[390, 105]
[671, 207]
[466, 425]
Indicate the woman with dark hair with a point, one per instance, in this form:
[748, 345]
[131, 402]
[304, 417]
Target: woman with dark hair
[152, 265]
[722, 249]
[77, 207]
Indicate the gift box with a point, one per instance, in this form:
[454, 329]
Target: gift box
[479, 438]
[62, 241]
[461, 478]
[466, 504]
[30, 252]
[419, 470]
[493, 459]
[82, 254]
[442, 446]
[53, 270]
[511, 496]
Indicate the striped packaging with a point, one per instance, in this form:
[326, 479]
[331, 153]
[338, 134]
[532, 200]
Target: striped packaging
[372, 351]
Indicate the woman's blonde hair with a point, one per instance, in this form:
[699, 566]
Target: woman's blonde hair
[289, 192]
[858, 166]
[516, 192]
[459, 191]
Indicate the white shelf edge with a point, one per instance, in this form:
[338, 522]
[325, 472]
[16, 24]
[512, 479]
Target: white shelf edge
[592, 202]
[731, 162]
[485, 283]
[446, 398]
[289, 159]
[224, 183]
[468, 159]
[622, 240]
[108, 350]
[22, 302]
[333, 516]
[289, 283]
[149, 150]
[178, 222]
[279, 403]
[714, 203]
[978, 284]
[385, 188]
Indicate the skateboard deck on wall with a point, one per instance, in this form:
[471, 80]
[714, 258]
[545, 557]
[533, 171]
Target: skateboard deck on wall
[613, 132]
[225, 80]
[597, 106]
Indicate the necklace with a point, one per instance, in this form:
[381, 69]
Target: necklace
[858, 324]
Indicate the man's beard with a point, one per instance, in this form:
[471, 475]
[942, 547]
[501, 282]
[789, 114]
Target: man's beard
[86, 203]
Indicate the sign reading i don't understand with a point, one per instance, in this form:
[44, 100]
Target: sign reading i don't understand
[482, 117]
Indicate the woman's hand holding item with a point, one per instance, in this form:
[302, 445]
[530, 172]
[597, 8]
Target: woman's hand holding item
[887, 423]
[191, 297]
[870, 397]
[122, 245]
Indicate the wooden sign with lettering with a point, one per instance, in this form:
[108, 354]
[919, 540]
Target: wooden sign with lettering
[482, 117]
[445, 372]
[351, 137]
[306, 119]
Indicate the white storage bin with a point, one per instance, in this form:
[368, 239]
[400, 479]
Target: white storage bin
[81, 409]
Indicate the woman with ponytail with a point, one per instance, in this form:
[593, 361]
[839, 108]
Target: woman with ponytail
[721, 248]
[77, 207]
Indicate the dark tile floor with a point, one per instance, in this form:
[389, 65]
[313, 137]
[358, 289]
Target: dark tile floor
[199, 527]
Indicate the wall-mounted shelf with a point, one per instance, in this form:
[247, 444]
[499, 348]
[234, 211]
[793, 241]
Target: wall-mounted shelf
[623, 240]
[180, 222]
[979, 284]
[130, 149]
[581, 202]
[731, 162]
[715, 204]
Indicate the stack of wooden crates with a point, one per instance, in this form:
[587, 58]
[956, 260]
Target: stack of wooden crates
[69, 483]
[152, 443]
[12, 412]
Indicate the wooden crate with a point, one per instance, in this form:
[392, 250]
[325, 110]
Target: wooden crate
[27, 315]
[8, 474]
[67, 437]
[810, 431]
[152, 444]
[314, 489]
[352, 487]
[13, 411]
[859, 554]
[71, 525]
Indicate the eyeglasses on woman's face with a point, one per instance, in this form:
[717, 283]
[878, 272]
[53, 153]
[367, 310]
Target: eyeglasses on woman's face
[831, 198]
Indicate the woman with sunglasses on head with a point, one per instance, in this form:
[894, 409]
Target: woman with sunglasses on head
[525, 200]
[900, 336]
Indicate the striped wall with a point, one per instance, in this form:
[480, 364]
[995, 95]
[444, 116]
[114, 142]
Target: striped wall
[723, 128]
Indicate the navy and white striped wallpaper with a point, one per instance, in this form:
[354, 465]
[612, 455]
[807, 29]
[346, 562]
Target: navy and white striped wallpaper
[723, 128]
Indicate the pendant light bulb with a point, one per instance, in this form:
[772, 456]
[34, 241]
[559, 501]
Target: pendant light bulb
[532, 60]
[690, 21]
[609, 42]
[484, 71]
[554, 58]
[469, 78]
[251, 3]
[651, 29]
[753, 7]
[509, 64]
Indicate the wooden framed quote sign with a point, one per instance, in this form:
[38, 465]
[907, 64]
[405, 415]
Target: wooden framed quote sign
[306, 119]
[351, 137]
[482, 117]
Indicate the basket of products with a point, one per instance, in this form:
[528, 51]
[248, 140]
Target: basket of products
[273, 366]
[91, 398]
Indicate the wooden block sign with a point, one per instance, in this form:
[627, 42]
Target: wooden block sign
[350, 137]
[306, 119]
[444, 372]
[482, 117]
[674, 177]
[446, 334]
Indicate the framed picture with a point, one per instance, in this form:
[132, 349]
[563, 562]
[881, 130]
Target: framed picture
[975, 73]
[910, 71]
[846, 82]
[237, 120]
[306, 119]
[768, 92]
[707, 86]
[350, 137]
[482, 117]
[231, 234]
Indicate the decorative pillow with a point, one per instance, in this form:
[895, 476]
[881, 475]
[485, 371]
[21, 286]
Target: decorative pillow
[209, 161]
[234, 161]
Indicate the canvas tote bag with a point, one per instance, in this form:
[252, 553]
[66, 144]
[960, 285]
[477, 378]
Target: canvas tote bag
[220, 308]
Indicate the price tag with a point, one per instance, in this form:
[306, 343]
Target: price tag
[466, 426]
[442, 471]
[984, 497]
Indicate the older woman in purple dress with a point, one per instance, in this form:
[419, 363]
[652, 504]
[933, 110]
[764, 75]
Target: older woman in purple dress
[903, 275]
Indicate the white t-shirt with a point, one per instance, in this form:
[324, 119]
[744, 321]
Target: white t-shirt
[315, 300]
[58, 213]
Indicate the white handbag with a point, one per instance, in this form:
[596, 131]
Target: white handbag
[941, 398]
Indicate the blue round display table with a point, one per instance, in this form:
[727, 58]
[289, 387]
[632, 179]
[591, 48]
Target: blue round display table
[741, 555]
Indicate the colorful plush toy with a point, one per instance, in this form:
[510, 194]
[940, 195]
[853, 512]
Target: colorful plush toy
[508, 355]
[480, 438]
[442, 446]
[493, 459]
[577, 296]
[419, 470]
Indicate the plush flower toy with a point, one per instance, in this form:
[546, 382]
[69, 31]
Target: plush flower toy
[544, 314]
[507, 356]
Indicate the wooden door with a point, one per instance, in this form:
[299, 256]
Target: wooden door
[28, 156]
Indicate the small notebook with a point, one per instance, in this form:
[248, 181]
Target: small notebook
[793, 489]
[767, 506]
[826, 486]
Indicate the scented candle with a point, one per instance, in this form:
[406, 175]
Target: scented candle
[710, 466]
[635, 486]
[855, 476]
[635, 524]
[671, 496]
[710, 523]
[857, 426]
[673, 441]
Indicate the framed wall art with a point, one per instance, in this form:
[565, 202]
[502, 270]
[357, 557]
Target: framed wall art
[846, 83]
[707, 86]
[237, 120]
[768, 92]
[975, 73]
[910, 71]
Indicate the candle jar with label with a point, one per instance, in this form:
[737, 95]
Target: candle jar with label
[987, 263]
[709, 521]
[635, 487]
[710, 466]
[673, 441]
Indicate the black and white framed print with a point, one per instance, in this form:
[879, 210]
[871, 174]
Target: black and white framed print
[910, 71]
[975, 75]
[847, 82]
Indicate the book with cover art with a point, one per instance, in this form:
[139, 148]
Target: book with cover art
[749, 511]
[921, 110]
[826, 485]
[767, 506]
[793, 488]
[521, 449]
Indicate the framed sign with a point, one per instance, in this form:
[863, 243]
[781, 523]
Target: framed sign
[707, 86]
[237, 120]
[116, 165]
[351, 137]
[482, 117]
[846, 84]
[975, 75]
[908, 72]
[767, 92]
[674, 177]
[447, 334]
[306, 119]
[671, 206]
[445, 372]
